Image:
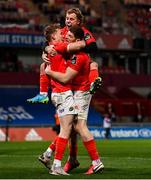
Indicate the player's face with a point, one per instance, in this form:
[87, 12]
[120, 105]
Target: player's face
[71, 20]
[70, 37]
[57, 36]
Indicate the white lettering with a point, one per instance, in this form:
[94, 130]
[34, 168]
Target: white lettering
[4, 38]
[38, 39]
[24, 116]
[97, 134]
[14, 112]
[21, 39]
[124, 133]
[16, 116]
[17, 109]
[2, 110]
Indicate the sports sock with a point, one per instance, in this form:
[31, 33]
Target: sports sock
[44, 93]
[92, 150]
[48, 152]
[60, 147]
[52, 146]
[44, 83]
[96, 162]
[93, 75]
[57, 163]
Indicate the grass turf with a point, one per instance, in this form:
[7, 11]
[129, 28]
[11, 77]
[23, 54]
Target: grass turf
[123, 159]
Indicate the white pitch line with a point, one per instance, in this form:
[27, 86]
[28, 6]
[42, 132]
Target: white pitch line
[83, 157]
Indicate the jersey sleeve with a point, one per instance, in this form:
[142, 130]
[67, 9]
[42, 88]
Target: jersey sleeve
[88, 37]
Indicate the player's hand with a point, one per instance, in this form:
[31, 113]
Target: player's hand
[47, 69]
[50, 50]
[45, 58]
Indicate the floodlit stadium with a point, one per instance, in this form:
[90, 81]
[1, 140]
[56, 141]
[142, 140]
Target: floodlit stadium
[117, 36]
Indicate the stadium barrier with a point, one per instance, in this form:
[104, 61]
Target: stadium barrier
[123, 133]
[27, 134]
[47, 134]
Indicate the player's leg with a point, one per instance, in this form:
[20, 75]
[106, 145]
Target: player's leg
[94, 78]
[61, 143]
[72, 161]
[90, 146]
[64, 102]
[46, 156]
[42, 97]
[82, 100]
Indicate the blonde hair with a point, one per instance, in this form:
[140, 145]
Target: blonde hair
[77, 12]
[50, 29]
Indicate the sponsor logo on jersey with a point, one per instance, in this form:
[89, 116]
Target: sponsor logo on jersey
[61, 110]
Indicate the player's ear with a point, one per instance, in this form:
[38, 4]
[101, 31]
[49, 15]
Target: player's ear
[52, 37]
[77, 39]
[79, 22]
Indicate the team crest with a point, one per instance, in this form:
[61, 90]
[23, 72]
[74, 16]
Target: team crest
[73, 59]
[87, 36]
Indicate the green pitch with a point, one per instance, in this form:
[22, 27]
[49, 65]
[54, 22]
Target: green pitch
[123, 159]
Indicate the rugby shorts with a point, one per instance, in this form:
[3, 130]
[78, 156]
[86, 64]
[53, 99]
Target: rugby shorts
[64, 103]
[82, 102]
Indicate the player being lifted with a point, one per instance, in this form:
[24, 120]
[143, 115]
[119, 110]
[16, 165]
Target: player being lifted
[73, 17]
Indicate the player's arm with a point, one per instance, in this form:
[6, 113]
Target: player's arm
[64, 47]
[91, 48]
[72, 47]
[44, 53]
[82, 45]
[88, 45]
[62, 77]
[76, 46]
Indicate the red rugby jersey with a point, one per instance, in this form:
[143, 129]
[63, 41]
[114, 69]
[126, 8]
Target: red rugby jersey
[80, 62]
[58, 64]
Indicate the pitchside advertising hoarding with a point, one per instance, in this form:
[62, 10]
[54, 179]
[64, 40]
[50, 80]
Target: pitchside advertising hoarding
[33, 122]
[123, 133]
[12, 39]
[17, 112]
[32, 40]
[43, 134]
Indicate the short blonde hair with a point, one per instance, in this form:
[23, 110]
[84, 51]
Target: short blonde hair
[77, 12]
[50, 29]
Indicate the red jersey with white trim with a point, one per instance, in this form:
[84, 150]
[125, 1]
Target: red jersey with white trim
[58, 64]
[88, 37]
[80, 62]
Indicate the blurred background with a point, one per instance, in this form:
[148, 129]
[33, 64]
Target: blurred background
[123, 34]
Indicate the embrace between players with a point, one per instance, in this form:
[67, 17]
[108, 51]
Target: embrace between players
[73, 78]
